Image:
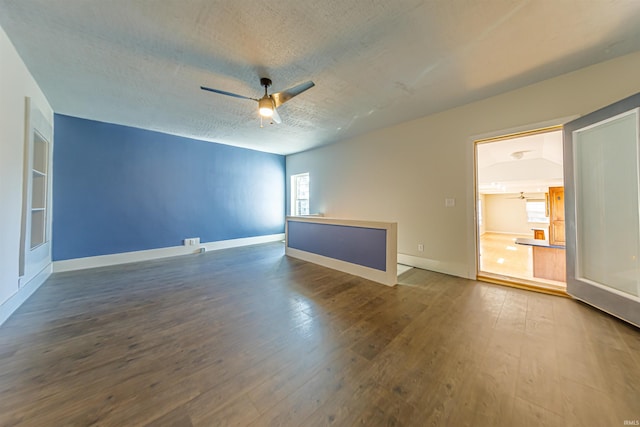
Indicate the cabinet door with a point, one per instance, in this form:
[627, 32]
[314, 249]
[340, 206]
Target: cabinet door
[556, 215]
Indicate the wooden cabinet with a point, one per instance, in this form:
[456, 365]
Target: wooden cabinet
[538, 234]
[549, 263]
[556, 216]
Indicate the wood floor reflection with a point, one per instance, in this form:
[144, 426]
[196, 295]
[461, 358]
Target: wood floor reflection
[249, 337]
[500, 255]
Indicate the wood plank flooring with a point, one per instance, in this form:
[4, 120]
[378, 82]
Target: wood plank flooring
[247, 336]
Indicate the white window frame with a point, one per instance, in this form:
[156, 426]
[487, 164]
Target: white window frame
[536, 215]
[295, 197]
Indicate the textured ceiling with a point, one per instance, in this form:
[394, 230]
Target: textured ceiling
[375, 63]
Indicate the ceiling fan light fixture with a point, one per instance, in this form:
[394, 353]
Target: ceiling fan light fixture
[265, 106]
[517, 155]
[268, 104]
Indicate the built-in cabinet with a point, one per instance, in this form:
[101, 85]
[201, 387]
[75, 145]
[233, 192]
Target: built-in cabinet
[35, 246]
[549, 261]
[39, 186]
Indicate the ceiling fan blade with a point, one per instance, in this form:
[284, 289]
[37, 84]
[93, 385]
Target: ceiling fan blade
[280, 98]
[222, 92]
[276, 117]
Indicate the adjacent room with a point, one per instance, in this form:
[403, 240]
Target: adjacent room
[306, 213]
[519, 179]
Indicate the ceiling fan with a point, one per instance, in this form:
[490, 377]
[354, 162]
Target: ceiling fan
[268, 103]
[521, 196]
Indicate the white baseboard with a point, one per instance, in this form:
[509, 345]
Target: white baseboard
[451, 268]
[151, 254]
[389, 278]
[12, 304]
[247, 241]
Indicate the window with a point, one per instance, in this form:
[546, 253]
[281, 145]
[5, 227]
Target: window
[536, 211]
[300, 194]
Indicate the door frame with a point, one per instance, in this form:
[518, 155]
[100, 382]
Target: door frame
[33, 261]
[556, 125]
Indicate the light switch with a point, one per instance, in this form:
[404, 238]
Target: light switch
[449, 202]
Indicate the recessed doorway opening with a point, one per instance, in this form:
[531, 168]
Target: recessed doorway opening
[520, 210]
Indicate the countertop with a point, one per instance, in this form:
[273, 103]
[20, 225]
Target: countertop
[538, 242]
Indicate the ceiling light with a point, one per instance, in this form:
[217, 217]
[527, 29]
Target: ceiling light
[265, 106]
[517, 155]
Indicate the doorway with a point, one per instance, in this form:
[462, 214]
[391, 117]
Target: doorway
[520, 210]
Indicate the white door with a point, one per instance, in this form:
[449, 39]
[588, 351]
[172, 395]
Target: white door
[602, 187]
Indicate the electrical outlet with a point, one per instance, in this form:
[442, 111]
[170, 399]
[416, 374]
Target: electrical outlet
[420, 247]
[193, 241]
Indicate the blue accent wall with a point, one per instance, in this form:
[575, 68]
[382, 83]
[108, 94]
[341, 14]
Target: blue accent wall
[357, 245]
[120, 189]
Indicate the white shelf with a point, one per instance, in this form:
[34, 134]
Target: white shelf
[39, 185]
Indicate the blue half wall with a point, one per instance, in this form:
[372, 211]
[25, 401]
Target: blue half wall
[121, 189]
[357, 245]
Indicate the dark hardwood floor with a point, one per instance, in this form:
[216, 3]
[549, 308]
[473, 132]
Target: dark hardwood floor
[248, 336]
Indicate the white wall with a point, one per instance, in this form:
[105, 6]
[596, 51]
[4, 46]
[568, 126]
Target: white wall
[507, 213]
[15, 84]
[404, 173]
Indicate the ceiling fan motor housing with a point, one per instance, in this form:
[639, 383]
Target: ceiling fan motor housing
[265, 82]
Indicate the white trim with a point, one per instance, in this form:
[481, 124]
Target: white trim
[523, 128]
[151, 254]
[17, 299]
[247, 241]
[294, 191]
[339, 221]
[452, 268]
[472, 226]
[346, 267]
[608, 288]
